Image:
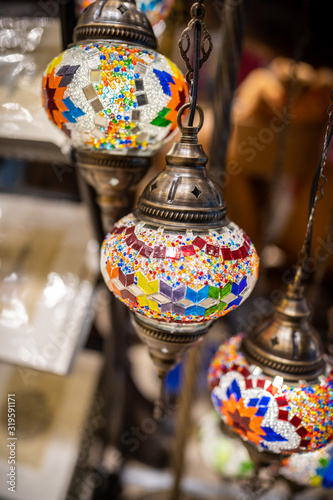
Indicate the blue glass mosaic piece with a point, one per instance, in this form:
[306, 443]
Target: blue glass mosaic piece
[236, 302]
[261, 411]
[77, 112]
[203, 293]
[69, 117]
[200, 310]
[264, 401]
[328, 477]
[242, 285]
[68, 103]
[253, 402]
[191, 294]
[272, 436]
[235, 390]
[191, 311]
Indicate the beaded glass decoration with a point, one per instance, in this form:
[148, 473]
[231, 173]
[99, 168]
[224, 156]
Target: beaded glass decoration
[178, 276]
[114, 97]
[267, 412]
[310, 469]
[155, 10]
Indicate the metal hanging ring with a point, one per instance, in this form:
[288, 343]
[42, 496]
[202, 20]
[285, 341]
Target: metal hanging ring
[181, 112]
[198, 11]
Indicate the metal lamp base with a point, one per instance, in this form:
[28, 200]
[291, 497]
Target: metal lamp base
[167, 343]
[114, 177]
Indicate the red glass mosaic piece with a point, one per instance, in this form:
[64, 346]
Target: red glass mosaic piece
[130, 230]
[199, 242]
[302, 432]
[146, 251]
[271, 389]
[159, 252]
[119, 230]
[281, 401]
[236, 254]
[212, 250]
[244, 251]
[295, 421]
[226, 254]
[248, 384]
[283, 415]
[244, 371]
[137, 245]
[131, 239]
[188, 250]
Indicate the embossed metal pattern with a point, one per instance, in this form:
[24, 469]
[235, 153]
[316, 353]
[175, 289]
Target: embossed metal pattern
[115, 20]
[286, 344]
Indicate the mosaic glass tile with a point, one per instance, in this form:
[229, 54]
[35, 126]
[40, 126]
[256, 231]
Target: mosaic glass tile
[272, 415]
[123, 98]
[180, 279]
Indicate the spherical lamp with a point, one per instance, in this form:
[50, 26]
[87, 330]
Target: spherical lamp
[274, 388]
[114, 96]
[178, 262]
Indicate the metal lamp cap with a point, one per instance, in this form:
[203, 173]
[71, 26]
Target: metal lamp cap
[287, 344]
[183, 194]
[116, 20]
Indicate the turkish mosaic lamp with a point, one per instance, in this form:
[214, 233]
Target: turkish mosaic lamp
[177, 262]
[114, 96]
[155, 10]
[274, 388]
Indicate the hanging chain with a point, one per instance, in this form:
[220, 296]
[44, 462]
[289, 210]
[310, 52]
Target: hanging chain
[316, 194]
[203, 46]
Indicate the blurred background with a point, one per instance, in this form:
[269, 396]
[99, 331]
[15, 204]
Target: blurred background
[85, 384]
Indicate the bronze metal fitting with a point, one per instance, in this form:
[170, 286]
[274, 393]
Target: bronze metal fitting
[116, 20]
[287, 344]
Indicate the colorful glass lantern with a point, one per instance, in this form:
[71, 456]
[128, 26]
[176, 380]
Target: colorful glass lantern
[179, 275]
[274, 388]
[115, 97]
[177, 262]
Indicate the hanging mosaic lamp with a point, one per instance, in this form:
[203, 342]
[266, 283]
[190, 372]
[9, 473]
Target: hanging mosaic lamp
[114, 96]
[155, 10]
[274, 387]
[177, 262]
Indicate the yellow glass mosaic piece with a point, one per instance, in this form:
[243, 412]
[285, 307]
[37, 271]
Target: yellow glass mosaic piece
[142, 300]
[142, 282]
[153, 306]
[152, 286]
